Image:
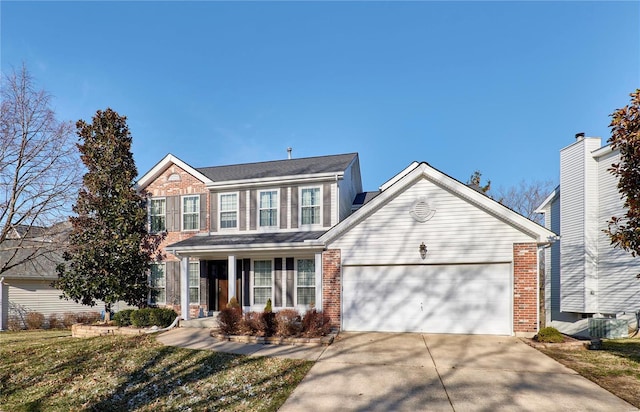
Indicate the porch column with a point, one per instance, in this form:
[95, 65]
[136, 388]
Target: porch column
[318, 265]
[184, 287]
[232, 277]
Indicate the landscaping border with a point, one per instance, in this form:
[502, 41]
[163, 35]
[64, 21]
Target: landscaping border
[275, 340]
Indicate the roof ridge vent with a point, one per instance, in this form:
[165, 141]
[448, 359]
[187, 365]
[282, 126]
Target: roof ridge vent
[289, 150]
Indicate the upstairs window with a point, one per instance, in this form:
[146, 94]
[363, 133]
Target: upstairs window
[157, 284]
[228, 211]
[310, 206]
[306, 282]
[157, 215]
[268, 208]
[191, 212]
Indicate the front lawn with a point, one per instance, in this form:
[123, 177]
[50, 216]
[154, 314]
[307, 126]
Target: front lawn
[616, 367]
[50, 370]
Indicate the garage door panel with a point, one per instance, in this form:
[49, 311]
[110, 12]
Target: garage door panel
[435, 299]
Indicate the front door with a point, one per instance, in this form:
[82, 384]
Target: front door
[223, 293]
[218, 284]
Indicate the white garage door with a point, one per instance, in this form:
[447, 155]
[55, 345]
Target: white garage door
[473, 299]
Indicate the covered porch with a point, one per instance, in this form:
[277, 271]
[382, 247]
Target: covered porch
[283, 267]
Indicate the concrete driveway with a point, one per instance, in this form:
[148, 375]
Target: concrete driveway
[414, 372]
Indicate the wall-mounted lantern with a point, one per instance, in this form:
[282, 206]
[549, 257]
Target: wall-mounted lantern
[423, 250]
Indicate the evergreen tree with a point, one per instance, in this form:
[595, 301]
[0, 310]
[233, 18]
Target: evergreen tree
[110, 249]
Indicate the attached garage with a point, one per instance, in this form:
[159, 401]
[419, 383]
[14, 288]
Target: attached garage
[432, 255]
[472, 299]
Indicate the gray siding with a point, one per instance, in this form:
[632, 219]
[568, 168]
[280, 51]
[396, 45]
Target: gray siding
[253, 209]
[348, 188]
[284, 201]
[214, 212]
[242, 205]
[326, 205]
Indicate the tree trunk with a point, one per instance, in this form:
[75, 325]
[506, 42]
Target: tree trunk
[107, 312]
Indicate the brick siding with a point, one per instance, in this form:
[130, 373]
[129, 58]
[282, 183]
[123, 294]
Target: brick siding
[331, 285]
[525, 280]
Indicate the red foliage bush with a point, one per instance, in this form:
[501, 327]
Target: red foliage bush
[288, 323]
[315, 324]
[229, 320]
[35, 320]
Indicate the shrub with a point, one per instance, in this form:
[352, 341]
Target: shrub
[87, 318]
[252, 323]
[549, 335]
[15, 323]
[54, 322]
[233, 303]
[123, 317]
[35, 320]
[268, 308]
[162, 317]
[315, 324]
[68, 319]
[141, 318]
[229, 320]
[269, 320]
[288, 323]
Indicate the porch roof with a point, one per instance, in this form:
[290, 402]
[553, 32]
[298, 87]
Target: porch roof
[250, 241]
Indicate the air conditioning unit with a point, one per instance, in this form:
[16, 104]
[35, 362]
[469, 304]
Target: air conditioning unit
[608, 328]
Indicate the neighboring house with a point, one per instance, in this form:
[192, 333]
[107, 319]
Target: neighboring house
[585, 275]
[29, 283]
[425, 253]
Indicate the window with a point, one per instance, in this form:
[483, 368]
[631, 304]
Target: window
[268, 208]
[310, 206]
[157, 215]
[306, 282]
[157, 283]
[191, 212]
[194, 282]
[262, 281]
[228, 211]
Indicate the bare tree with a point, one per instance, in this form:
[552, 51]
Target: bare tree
[40, 173]
[525, 197]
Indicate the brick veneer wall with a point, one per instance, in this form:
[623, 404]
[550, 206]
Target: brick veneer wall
[187, 185]
[331, 287]
[525, 290]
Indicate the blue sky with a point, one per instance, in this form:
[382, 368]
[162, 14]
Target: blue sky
[498, 87]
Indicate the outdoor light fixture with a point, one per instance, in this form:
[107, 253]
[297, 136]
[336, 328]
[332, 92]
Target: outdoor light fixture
[423, 250]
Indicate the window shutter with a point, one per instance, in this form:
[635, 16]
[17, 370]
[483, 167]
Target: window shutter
[253, 207]
[213, 216]
[283, 207]
[173, 213]
[291, 284]
[277, 263]
[326, 205]
[295, 207]
[203, 211]
[242, 210]
[172, 279]
[246, 292]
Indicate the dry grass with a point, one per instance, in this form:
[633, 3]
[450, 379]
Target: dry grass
[616, 367]
[50, 370]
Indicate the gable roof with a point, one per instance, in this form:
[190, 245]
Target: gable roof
[299, 168]
[417, 171]
[280, 168]
[162, 165]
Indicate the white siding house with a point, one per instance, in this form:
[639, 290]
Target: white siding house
[585, 275]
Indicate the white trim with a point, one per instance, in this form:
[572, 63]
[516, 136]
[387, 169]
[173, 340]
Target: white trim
[258, 210]
[320, 207]
[547, 200]
[318, 258]
[163, 164]
[252, 283]
[399, 176]
[423, 170]
[184, 288]
[182, 198]
[151, 199]
[220, 211]
[280, 180]
[231, 277]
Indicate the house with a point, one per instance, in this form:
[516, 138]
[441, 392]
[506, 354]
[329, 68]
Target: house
[37, 250]
[424, 253]
[585, 275]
